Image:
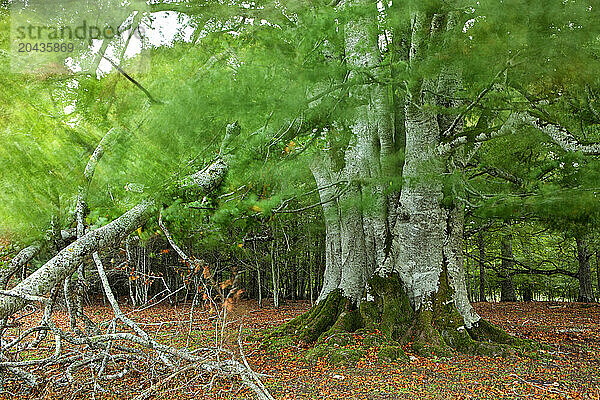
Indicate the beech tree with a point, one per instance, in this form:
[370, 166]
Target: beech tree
[405, 248]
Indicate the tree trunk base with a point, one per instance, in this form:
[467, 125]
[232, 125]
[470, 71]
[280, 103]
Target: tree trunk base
[335, 314]
[585, 299]
[435, 330]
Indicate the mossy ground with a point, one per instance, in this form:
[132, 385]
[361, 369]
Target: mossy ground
[436, 330]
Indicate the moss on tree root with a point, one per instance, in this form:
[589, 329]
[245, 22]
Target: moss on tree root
[435, 329]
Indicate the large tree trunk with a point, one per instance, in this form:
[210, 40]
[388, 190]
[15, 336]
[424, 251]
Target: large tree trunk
[507, 289]
[356, 238]
[584, 274]
[397, 264]
[419, 235]
[428, 237]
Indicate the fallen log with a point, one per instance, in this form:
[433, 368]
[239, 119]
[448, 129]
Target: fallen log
[66, 261]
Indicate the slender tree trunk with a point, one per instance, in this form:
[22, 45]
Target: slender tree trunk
[259, 283]
[311, 262]
[128, 261]
[473, 290]
[598, 271]
[258, 275]
[507, 289]
[527, 292]
[482, 279]
[454, 263]
[586, 293]
[274, 276]
[468, 279]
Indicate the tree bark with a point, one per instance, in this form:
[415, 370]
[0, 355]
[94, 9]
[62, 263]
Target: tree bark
[584, 274]
[468, 279]
[507, 289]
[18, 261]
[274, 275]
[482, 280]
[428, 237]
[454, 260]
[598, 271]
[527, 292]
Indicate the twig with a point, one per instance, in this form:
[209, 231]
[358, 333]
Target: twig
[136, 83]
[252, 373]
[148, 392]
[551, 390]
[117, 310]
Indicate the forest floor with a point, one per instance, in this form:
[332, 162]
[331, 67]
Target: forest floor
[569, 367]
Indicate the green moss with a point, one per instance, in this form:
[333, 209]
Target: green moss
[483, 331]
[374, 340]
[370, 315]
[345, 356]
[396, 315]
[423, 331]
[322, 318]
[289, 327]
[330, 317]
[434, 330]
[340, 339]
[378, 340]
[426, 349]
[334, 355]
[274, 343]
[392, 353]
[382, 284]
[486, 333]
[347, 321]
[321, 309]
[318, 351]
[394, 312]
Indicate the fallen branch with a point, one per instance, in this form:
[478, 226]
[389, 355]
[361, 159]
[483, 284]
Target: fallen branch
[65, 262]
[18, 261]
[152, 389]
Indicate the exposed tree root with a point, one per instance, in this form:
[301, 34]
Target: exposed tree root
[436, 329]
